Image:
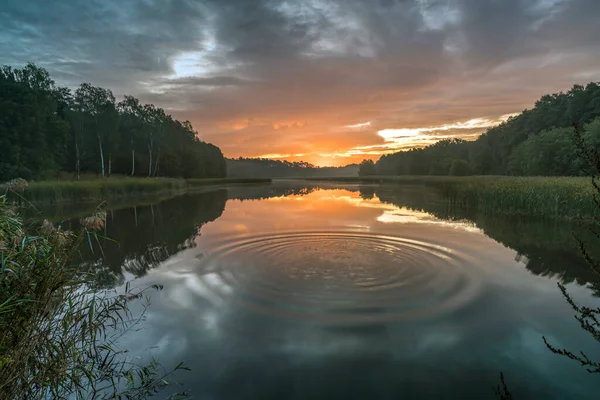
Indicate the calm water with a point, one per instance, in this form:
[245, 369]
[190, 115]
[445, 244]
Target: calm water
[348, 292]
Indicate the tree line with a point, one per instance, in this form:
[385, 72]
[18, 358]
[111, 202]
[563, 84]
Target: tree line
[539, 141]
[46, 129]
[268, 168]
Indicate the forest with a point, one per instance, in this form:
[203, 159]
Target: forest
[47, 130]
[537, 142]
[268, 168]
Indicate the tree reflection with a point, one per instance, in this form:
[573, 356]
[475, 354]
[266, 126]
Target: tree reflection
[141, 237]
[545, 247]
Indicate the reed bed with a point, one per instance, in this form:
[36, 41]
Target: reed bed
[114, 188]
[547, 197]
[99, 189]
[552, 197]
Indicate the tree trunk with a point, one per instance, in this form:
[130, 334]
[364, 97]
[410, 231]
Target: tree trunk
[149, 160]
[101, 156]
[132, 162]
[77, 161]
[109, 164]
[157, 162]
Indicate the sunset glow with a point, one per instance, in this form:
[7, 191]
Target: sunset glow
[328, 82]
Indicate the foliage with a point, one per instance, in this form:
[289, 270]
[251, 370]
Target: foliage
[267, 168]
[366, 168]
[33, 136]
[536, 142]
[14, 185]
[460, 168]
[58, 337]
[501, 391]
[45, 129]
[588, 318]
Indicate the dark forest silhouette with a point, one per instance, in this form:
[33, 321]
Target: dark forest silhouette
[46, 129]
[538, 141]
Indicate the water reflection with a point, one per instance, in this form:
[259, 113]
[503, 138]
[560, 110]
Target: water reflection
[545, 247]
[350, 293]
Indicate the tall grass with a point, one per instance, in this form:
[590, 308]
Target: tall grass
[552, 197]
[114, 188]
[547, 197]
[58, 337]
[59, 191]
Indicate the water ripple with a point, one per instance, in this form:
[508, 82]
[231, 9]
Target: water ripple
[340, 278]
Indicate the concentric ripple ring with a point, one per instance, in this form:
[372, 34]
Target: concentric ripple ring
[340, 277]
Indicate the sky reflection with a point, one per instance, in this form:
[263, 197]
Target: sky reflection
[330, 295]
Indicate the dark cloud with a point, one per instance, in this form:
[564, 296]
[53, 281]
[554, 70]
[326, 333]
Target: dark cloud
[326, 64]
[207, 81]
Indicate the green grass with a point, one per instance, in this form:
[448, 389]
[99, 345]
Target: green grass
[59, 191]
[547, 197]
[554, 197]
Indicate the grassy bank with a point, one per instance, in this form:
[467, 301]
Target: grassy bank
[548, 197]
[113, 188]
[99, 189]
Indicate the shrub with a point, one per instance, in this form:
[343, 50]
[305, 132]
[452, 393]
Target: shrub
[57, 335]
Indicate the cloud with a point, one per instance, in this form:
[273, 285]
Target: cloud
[318, 69]
[359, 125]
[191, 81]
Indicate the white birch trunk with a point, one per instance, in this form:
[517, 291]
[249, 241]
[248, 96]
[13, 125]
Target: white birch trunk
[101, 155]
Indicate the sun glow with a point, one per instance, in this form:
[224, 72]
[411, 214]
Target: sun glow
[189, 64]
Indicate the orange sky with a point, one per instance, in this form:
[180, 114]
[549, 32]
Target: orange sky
[326, 81]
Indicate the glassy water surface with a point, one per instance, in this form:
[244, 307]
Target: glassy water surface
[288, 291]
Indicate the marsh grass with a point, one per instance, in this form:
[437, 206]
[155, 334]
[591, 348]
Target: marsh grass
[568, 198]
[552, 197]
[58, 337]
[63, 191]
[99, 189]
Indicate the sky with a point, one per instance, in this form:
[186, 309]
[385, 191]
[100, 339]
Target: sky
[326, 81]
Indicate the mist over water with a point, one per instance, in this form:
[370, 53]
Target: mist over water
[299, 292]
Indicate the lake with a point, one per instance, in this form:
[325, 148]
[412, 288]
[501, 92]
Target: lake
[299, 290]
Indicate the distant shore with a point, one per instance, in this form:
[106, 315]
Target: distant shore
[569, 198]
[59, 191]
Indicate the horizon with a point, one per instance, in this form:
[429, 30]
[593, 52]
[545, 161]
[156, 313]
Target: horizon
[330, 83]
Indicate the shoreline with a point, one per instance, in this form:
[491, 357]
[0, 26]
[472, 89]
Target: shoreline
[561, 198]
[56, 192]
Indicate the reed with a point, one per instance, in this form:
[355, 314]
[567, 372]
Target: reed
[58, 337]
[99, 189]
[115, 188]
[548, 197]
